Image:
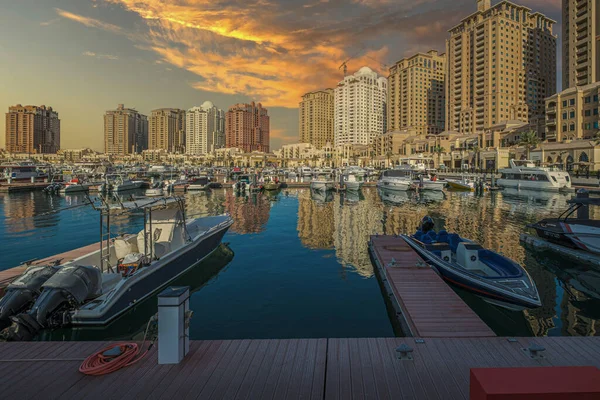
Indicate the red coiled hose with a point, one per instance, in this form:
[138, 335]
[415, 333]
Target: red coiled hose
[99, 364]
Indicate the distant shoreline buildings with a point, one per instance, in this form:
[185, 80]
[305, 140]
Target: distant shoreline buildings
[125, 131]
[247, 127]
[32, 129]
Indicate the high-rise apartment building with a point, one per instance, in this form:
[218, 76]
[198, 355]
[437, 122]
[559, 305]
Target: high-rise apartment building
[360, 107]
[32, 129]
[573, 113]
[416, 94]
[247, 127]
[125, 131]
[580, 42]
[205, 129]
[316, 118]
[166, 130]
[501, 66]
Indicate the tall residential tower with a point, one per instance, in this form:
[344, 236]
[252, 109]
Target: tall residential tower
[205, 129]
[581, 42]
[501, 66]
[247, 127]
[125, 131]
[359, 110]
[316, 118]
[32, 129]
[416, 94]
[166, 130]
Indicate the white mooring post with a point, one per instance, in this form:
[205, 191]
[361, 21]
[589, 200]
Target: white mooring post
[173, 326]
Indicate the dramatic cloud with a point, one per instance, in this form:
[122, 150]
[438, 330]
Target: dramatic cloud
[93, 23]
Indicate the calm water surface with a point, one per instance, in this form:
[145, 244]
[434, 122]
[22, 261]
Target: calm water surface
[297, 265]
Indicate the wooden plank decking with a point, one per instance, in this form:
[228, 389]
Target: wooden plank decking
[8, 275]
[283, 369]
[426, 305]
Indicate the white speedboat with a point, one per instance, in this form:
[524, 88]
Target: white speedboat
[305, 171]
[74, 186]
[122, 184]
[394, 179]
[526, 175]
[97, 287]
[321, 184]
[353, 182]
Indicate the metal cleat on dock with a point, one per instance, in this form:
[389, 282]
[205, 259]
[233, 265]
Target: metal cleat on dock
[534, 350]
[404, 352]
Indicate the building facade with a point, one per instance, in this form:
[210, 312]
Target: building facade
[32, 129]
[501, 66]
[580, 42]
[316, 118]
[416, 94]
[125, 131]
[205, 129]
[573, 113]
[360, 107]
[247, 127]
[166, 127]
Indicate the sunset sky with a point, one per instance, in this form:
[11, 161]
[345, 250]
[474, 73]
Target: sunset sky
[83, 57]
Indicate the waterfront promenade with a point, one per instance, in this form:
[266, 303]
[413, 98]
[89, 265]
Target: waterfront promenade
[284, 369]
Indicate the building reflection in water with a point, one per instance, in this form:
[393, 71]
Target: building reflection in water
[315, 221]
[31, 211]
[250, 213]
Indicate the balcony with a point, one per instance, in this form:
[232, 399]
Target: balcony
[550, 121]
[581, 60]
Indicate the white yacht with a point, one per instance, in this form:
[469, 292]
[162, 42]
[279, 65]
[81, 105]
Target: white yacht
[426, 182]
[395, 179]
[322, 183]
[526, 175]
[74, 186]
[355, 170]
[353, 182]
[305, 171]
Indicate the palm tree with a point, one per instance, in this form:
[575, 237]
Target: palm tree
[439, 150]
[388, 155]
[530, 140]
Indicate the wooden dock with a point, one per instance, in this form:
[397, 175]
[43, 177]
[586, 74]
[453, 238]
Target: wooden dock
[283, 369]
[22, 187]
[8, 275]
[425, 305]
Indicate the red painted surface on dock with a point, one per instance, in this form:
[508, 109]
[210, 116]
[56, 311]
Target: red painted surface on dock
[283, 368]
[8, 275]
[430, 307]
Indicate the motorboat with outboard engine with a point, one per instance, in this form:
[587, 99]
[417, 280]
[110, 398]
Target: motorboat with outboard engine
[495, 278]
[465, 182]
[395, 179]
[97, 287]
[578, 233]
[74, 186]
[199, 183]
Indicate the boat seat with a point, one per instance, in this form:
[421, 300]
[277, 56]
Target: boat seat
[124, 247]
[442, 237]
[453, 241]
[502, 268]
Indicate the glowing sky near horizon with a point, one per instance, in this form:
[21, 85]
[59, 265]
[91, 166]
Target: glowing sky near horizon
[83, 57]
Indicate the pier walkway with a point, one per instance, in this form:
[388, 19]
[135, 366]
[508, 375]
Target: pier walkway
[425, 305]
[283, 369]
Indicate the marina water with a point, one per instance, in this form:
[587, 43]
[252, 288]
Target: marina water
[296, 264]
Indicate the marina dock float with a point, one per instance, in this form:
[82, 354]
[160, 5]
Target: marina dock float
[542, 244]
[425, 305]
[22, 187]
[438, 368]
[8, 275]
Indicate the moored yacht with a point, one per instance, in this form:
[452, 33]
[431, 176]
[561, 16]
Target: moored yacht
[395, 179]
[526, 175]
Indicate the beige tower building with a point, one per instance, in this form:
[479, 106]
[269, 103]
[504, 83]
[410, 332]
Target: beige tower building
[316, 118]
[32, 129]
[581, 42]
[416, 94]
[125, 131]
[166, 130]
[501, 66]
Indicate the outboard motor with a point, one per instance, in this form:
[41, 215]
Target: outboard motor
[65, 291]
[23, 291]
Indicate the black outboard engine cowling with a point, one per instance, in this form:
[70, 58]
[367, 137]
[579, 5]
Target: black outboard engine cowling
[65, 291]
[23, 291]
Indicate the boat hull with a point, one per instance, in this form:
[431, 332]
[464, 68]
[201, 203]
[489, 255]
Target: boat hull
[460, 186]
[531, 185]
[577, 234]
[398, 185]
[354, 186]
[157, 278]
[323, 186]
[463, 280]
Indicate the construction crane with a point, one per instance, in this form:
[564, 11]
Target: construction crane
[345, 66]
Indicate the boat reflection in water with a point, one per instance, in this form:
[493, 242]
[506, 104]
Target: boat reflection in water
[430, 196]
[393, 197]
[321, 196]
[132, 324]
[351, 197]
[549, 200]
